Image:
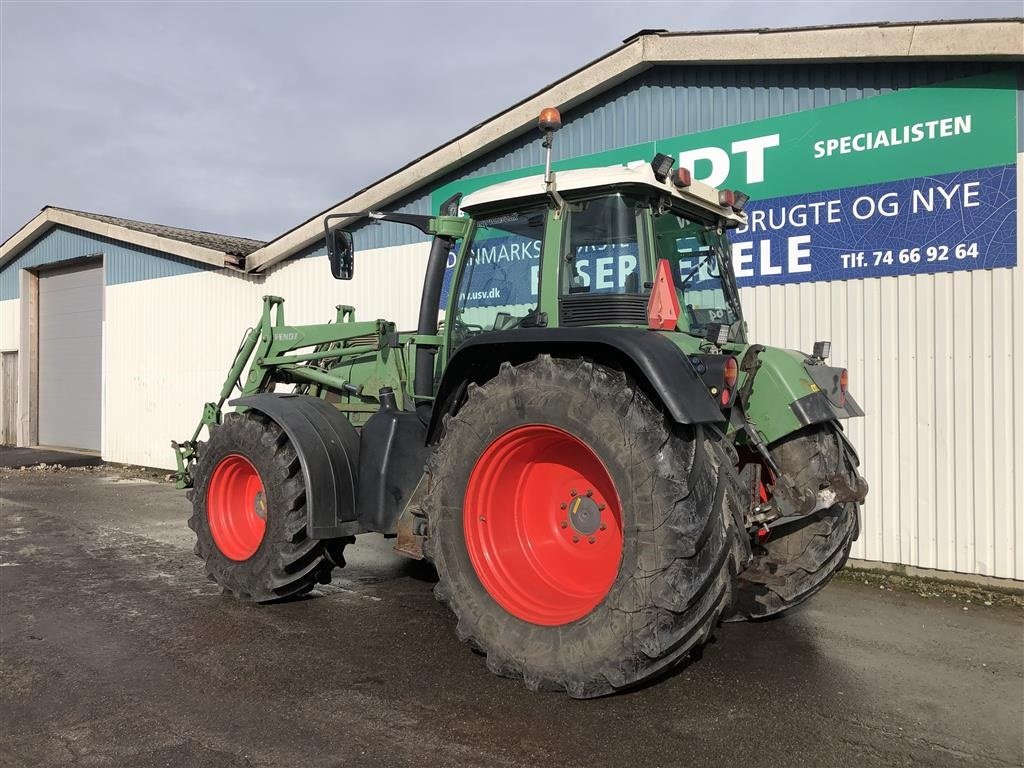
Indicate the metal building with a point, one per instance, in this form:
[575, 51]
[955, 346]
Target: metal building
[884, 163]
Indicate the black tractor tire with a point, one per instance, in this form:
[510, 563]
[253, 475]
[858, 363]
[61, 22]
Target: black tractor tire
[679, 504]
[287, 562]
[801, 558]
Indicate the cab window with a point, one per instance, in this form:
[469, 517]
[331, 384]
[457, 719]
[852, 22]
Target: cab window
[602, 251]
[701, 263]
[498, 285]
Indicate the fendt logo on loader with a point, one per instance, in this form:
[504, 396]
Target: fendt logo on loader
[587, 463]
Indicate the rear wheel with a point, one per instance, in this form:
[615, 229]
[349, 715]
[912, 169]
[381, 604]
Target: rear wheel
[249, 513]
[801, 558]
[583, 542]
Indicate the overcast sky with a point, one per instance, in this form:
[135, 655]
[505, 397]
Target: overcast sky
[247, 118]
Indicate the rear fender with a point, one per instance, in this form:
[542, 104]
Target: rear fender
[654, 362]
[328, 449]
[789, 393]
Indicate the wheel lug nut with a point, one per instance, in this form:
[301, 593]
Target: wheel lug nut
[604, 527]
[590, 491]
[563, 505]
[601, 507]
[592, 539]
[572, 492]
[575, 539]
[564, 523]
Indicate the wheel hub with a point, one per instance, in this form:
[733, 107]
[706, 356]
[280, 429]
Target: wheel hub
[547, 553]
[584, 515]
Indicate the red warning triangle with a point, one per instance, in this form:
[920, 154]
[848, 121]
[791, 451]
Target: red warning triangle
[663, 307]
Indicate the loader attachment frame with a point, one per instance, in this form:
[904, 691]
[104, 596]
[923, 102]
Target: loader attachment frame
[314, 358]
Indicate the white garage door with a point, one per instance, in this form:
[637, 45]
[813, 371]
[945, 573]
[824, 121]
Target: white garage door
[70, 352]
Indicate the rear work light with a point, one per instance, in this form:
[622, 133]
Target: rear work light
[726, 197]
[844, 382]
[662, 166]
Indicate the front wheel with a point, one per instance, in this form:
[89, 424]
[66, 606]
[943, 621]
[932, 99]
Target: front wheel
[249, 513]
[583, 542]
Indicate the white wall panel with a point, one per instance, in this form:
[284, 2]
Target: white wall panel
[10, 324]
[935, 360]
[169, 342]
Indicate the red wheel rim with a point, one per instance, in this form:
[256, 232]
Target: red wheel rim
[543, 525]
[236, 507]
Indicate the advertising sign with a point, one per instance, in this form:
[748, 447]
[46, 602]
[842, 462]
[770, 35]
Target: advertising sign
[915, 181]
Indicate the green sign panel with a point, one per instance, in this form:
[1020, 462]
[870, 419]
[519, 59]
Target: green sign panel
[838, 188]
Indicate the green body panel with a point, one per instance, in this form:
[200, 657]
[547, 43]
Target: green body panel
[780, 381]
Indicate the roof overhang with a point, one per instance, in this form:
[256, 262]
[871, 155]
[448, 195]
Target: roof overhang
[936, 41]
[50, 217]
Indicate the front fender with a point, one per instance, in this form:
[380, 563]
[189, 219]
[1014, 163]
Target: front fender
[328, 449]
[654, 362]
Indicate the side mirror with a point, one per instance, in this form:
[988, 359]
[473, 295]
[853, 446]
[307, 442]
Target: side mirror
[341, 253]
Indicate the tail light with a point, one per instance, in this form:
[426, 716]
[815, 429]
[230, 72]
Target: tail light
[719, 374]
[726, 197]
[844, 382]
[732, 372]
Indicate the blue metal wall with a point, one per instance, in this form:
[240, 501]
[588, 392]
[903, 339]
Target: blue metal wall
[676, 100]
[124, 263]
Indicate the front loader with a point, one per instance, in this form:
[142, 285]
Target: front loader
[578, 434]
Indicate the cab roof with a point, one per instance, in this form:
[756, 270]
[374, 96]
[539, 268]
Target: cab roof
[636, 174]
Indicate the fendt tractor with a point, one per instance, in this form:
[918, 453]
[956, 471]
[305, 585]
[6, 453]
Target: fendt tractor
[578, 435]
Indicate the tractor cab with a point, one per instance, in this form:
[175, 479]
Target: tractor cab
[582, 248]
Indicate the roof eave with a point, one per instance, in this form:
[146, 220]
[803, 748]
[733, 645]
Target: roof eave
[50, 217]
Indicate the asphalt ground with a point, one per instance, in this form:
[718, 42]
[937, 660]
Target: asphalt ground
[116, 651]
[27, 457]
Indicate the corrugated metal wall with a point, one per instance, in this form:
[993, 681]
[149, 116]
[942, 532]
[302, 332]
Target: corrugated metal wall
[168, 343]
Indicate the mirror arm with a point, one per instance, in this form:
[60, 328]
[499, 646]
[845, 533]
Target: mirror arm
[419, 221]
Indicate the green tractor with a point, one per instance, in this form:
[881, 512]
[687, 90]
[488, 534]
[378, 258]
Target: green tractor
[598, 463]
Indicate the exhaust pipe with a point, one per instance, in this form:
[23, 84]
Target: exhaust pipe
[423, 386]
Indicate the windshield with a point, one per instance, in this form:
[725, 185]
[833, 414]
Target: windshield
[702, 269]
